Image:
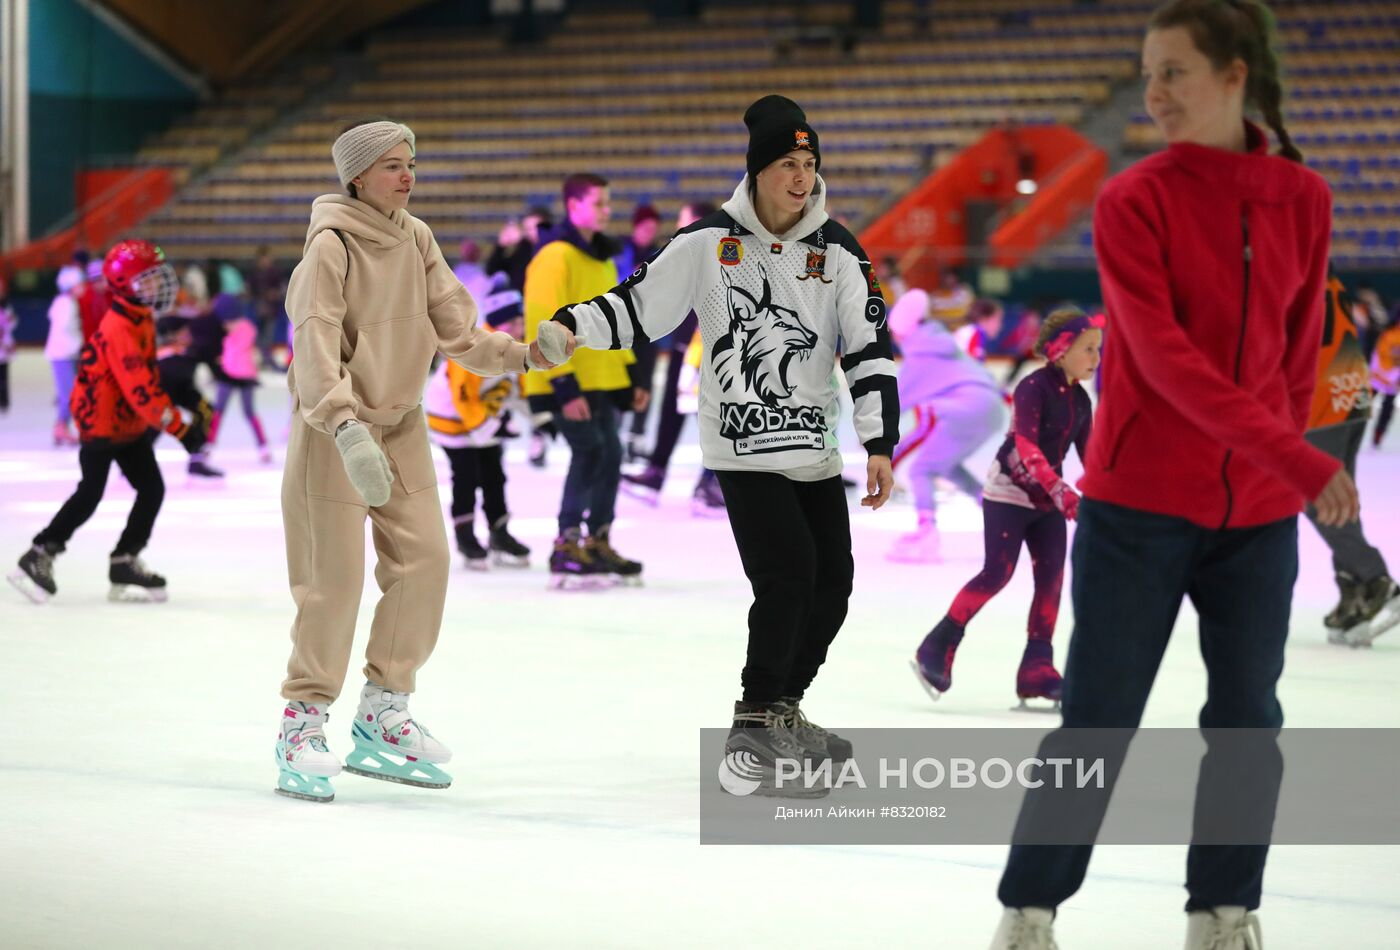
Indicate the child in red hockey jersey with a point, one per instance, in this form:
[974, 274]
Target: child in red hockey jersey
[120, 409]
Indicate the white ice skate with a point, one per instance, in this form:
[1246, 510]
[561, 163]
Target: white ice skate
[391, 745]
[304, 761]
[1223, 928]
[1025, 928]
[920, 546]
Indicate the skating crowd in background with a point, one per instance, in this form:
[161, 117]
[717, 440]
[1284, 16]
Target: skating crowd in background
[763, 310]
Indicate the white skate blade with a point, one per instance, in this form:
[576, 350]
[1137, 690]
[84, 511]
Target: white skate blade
[1027, 707]
[135, 594]
[1364, 634]
[641, 493]
[707, 511]
[502, 559]
[633, 580]
[26, 586]
[477, 564]
[579, 582]
[933, 694]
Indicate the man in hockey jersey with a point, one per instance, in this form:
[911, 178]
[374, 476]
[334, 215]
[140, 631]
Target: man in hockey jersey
[777, 287]
[120, 408]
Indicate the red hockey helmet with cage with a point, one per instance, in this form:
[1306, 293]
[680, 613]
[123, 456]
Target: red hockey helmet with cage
[137, 270]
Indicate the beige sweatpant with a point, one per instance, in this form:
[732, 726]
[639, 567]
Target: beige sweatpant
[324, 519]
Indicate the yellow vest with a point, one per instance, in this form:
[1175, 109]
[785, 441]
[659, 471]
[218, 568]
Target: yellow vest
[560, 275]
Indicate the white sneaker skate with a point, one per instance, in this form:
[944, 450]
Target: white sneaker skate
[1025, 928]
[391, 745]
[1223, 928]
[920, 546]
[304, 760]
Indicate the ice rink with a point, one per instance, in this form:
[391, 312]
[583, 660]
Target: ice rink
[136, 803]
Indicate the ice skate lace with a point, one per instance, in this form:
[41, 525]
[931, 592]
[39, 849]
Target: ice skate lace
[574, 550]
[139, 569]
[43, 564]
[780, 737]
[1243, 933]
[804, 728]
[603, 551]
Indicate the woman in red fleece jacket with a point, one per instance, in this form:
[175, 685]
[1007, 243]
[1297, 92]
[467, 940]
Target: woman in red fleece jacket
[1213, 263]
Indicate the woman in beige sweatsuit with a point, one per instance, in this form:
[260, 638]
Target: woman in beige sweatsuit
[371, 302]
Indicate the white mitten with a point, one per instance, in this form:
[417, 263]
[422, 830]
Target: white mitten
[554, 341]
[364, 463]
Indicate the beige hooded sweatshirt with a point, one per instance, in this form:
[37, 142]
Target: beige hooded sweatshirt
[370, 303]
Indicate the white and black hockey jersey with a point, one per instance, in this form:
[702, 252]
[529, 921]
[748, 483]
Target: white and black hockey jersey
[775, 311]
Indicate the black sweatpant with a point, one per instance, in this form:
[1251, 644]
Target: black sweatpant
[1351, 552]
[477, 468]
[794, 539]
[4, 387]
[137, 461]
[668, 429]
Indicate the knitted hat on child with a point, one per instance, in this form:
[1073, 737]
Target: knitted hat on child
[500, 306]
[358, 148]
[777, 125]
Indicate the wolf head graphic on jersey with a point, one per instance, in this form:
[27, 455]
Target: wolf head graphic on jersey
[762, 341]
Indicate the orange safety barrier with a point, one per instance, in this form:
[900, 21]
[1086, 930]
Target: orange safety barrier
[1058, 202]
[132, 197]
[926, 231]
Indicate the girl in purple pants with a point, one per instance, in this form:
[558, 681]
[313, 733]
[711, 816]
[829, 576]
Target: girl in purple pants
[1026, 500]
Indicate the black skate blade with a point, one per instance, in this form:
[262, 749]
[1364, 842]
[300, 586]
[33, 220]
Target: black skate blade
[933, 693]
[26, 586]
[299, 796]
[135, 594]
[396, 779]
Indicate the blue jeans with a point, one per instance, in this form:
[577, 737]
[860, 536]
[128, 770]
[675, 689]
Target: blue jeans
[590, 488]
[1132, 570]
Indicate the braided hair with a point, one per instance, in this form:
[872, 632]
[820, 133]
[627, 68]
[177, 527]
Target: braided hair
[1227, 30]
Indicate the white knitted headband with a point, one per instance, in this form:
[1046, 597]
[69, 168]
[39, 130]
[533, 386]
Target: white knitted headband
[358, 148]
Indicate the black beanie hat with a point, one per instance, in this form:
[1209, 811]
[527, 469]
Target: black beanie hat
[777, 125]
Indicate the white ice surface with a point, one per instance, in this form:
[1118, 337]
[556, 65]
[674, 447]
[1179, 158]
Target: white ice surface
[136, 804]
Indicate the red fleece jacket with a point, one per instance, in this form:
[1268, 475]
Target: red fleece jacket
[1213, 266]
